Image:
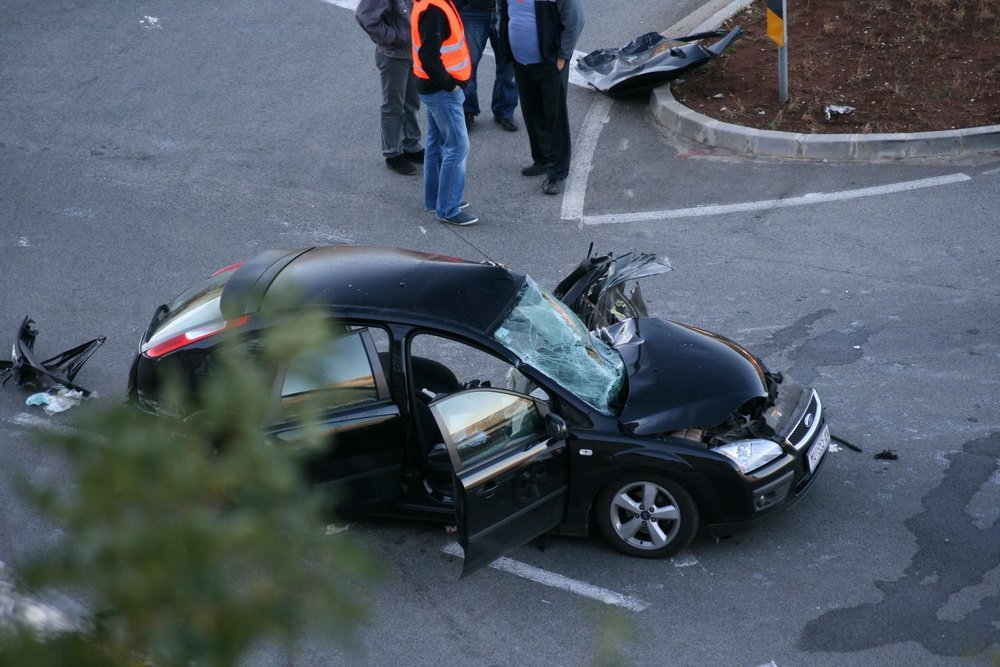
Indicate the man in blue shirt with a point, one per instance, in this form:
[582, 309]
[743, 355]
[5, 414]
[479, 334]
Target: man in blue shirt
[539, 37]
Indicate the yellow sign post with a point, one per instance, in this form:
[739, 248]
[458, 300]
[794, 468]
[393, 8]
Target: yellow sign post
[778, 32]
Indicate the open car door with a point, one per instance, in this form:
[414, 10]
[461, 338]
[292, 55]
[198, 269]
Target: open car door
[511, 469]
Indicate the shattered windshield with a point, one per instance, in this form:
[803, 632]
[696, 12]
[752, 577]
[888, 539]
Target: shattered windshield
[545, 334]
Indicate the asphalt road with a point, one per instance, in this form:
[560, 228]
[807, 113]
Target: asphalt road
[144, 145]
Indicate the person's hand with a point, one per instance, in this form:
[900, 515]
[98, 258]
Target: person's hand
[560, 63]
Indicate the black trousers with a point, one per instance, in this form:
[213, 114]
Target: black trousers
[542, 92]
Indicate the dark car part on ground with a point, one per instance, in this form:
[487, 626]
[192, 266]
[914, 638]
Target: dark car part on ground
[60, 370]
[650, 60]
[462, 392]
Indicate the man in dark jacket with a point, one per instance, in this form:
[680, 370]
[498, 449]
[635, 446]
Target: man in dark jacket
[387, 22]
[539, 36]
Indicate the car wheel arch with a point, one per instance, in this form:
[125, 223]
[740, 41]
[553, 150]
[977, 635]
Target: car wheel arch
[685, 477]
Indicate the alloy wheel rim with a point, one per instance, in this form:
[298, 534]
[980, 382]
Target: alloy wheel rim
[645, 515]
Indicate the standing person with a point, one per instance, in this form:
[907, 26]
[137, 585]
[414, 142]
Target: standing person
[387, 22]
[539, 37]
[442, 65]
[481, 23]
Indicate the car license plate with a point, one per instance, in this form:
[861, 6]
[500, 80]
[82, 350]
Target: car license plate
[819, 449]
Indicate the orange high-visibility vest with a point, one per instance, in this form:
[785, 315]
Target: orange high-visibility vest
[454, 51]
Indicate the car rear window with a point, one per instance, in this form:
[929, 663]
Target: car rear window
[193, 308]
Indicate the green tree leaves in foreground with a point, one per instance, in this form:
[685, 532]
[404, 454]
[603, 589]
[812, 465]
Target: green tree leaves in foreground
[192, 540]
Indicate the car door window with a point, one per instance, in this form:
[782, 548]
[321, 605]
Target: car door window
[444, 365]
[481, 424]
[335, 374]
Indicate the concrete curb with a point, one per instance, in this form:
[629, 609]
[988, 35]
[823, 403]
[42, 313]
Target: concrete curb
[674, 116]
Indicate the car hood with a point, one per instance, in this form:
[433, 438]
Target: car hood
[681, 376]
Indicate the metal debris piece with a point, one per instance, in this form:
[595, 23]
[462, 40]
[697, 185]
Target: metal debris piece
[832, 111]
[52, 373]
[595, 290]
[650, 60]
[843, 442]
[887, 455]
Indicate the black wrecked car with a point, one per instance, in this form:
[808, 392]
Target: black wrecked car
[463, 392]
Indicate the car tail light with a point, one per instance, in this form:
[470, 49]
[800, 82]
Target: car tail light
[225, 269]
[194, 335]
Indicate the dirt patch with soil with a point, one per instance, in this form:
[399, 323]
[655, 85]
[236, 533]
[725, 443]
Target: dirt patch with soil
[901, 65]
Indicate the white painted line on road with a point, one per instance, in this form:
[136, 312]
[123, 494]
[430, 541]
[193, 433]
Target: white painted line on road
[768, 204]
[575, 78]
[586, 147]
[554, 580]
[684, 559]
[26, 420]
[346, 4]
[19, 610]
[991, 172]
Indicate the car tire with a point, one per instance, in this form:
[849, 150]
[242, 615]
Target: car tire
[647, 515]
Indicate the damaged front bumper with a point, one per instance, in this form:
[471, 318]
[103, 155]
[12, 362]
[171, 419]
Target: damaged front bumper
[806, 439]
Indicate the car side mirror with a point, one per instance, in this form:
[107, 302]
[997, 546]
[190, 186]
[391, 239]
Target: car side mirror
[556, 426]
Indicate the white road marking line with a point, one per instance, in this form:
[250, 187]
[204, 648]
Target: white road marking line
[346, 4]
[586, 147]
[26, 420]
[767, 204]
[554, 580]
[684, 559]
[575, 77]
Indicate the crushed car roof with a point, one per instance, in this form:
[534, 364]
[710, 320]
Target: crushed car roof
[367, 281]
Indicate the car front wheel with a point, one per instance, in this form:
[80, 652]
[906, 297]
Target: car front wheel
[647, 515]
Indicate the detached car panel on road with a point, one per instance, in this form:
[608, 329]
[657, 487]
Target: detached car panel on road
[463, 392]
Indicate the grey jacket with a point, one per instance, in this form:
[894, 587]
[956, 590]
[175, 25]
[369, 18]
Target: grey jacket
[387, 22]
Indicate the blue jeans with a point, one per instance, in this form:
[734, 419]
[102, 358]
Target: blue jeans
[445, 150]
[480, 26]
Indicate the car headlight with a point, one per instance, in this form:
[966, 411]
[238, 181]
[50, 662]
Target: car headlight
[751, 454]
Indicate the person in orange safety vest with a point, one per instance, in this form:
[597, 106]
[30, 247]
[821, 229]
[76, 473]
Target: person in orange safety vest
[442, 65]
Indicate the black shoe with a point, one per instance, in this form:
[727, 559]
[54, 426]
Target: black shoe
[534, 169]
[400, 165]
[470, 118]
[552, 186]
[506, 123]
[417, 157]
[461, 219]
